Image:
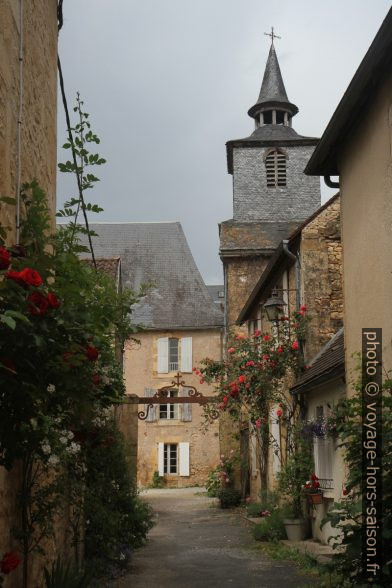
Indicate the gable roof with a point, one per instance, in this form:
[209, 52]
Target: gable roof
[278, 259]
[328, 364]
[252, 237]
[376, 64]
[158, 254]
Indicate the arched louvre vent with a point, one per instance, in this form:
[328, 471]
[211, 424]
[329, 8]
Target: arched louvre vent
[275, 165]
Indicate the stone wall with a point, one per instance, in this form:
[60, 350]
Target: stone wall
[321, 274]
[141, 373]
[38, 161]
[253, 200]
[241, 274]
[39, 112]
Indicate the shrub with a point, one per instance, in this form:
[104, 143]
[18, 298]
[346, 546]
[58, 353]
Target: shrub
[66, 575]
[229, 497]
[213, 483]
[157, 480]
[254, 509]
[271, 528]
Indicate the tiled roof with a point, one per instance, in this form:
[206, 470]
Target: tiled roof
[158, 254]
[109, 266]
[325, 365]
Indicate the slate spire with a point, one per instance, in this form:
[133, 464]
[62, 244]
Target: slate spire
[273, 94]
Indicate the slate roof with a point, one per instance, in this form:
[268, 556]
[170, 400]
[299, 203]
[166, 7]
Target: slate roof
[272, 87]
[250, 238]
[158, 254]
[326, 365]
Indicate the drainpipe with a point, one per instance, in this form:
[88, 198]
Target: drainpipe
[297, 271]
[330, 183]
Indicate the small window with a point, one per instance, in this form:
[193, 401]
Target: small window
[173, 355]
[169, 411]
[275, 165]
[221, 294]
[170, 458]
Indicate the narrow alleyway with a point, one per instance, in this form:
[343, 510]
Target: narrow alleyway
[195, 544]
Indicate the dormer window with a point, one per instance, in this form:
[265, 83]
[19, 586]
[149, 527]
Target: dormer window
[275, 166]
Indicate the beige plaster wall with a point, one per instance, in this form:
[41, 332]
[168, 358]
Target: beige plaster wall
[366, 188]
[39, 110]
[329, 393]
[141, 373]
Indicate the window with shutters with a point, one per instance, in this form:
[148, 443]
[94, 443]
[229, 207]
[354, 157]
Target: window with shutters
[275, 166]
[170, 458]
[174, 355]
[169, 411]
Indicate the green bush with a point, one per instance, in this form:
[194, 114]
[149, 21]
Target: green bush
[157, 480]
[66, 575]
[229, 497]
[117, 521]
[254, 509]
[213, 483]
[271, 528]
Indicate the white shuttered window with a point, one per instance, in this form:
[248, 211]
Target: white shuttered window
[184, 459]
[186, 354]
[163, 355]
[169, 350]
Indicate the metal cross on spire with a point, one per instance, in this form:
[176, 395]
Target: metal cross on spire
[272, 35]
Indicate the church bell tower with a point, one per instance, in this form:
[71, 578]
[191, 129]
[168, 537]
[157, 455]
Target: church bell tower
[271, 194]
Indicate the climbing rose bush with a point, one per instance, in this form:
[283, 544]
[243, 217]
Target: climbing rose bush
[254, 367]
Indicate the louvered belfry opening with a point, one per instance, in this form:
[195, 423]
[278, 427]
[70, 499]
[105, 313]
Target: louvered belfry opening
[275, 165]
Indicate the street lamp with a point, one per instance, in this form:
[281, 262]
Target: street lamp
[274, 307]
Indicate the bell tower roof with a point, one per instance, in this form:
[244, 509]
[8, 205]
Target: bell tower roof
[272, 93]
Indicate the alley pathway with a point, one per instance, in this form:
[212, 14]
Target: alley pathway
[196, 545]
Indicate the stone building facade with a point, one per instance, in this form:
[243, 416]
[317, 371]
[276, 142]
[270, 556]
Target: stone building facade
[181, 326]
[28, 93]
[28, 99]
[305, 269]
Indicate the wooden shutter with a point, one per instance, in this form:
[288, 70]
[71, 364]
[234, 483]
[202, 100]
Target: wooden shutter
[152, 413]
[184, 458]
[186, 354]
[186, 408]
[163, 355]
[160, 459]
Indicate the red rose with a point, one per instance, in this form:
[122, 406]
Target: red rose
[38, 304]
[96, 379]
[266, 338]
[92, 353]
[295, 345]
[316, 484]
[240, 336]
[266, 356]
[280, 350]
[5, 258]
[231, 350]
[53, 301]
[26, 277]
[313, 477]
[257, 333]
[345, 491]
[279, 412]
[307, 485]
[10, 561]
[241, 379]
[303, 308]
[250, 363]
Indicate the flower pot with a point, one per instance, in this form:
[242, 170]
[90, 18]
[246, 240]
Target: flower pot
[315, 498]
[295, 529]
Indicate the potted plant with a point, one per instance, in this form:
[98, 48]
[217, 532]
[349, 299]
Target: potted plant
[291, 486]
[313, 493]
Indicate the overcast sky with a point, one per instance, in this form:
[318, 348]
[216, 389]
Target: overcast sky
[168, 82]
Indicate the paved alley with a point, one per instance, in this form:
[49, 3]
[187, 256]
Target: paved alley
[196, 545]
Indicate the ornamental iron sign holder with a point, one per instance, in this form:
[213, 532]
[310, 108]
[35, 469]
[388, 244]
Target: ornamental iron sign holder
[161, 396]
